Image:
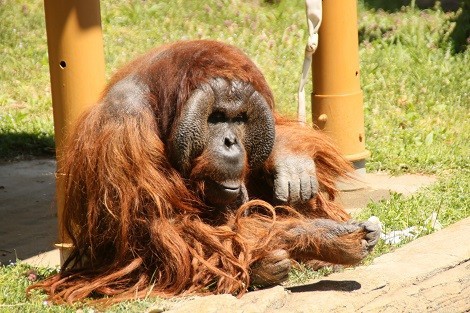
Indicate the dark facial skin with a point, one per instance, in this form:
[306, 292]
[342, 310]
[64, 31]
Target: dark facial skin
[226, 130]
[231, 127]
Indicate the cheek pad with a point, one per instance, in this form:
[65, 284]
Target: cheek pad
[260, 130]
[189, 134]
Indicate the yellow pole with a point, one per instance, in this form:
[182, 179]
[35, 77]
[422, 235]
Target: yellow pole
[76, 63]
[337, 106]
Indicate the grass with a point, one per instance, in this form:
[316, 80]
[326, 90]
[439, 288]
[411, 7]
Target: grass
[417, 92]
[15, 278]
[414, 74]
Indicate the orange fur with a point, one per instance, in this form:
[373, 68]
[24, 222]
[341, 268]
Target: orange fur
[138, 228]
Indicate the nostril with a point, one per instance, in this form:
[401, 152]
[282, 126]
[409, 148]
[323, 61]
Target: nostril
[230, 141]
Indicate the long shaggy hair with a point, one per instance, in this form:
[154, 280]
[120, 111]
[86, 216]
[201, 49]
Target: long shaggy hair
[138, 228]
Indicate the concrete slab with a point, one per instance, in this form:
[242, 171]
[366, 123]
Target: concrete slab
[28, 222]
[45, 259]
[357, 192]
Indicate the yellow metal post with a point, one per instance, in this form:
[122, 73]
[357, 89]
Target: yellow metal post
[337, 105]
[76, 62]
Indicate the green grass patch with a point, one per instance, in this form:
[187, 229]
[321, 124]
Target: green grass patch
[302, 273]
[13, 281]
[416, 91]
[26, 127]
[414, 74]
[15, 278]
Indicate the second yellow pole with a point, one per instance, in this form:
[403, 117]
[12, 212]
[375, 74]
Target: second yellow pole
[337, 100]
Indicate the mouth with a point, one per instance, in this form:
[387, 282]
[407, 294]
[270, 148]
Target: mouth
[222, 192]
[230, 187]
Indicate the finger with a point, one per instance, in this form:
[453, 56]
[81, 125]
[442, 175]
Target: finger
[278, 254]
[314, 185]
[281, 188]
[371, 226]
[372, 242]
[294, 190]
[282, 268]
[305, 187]
[350, 228]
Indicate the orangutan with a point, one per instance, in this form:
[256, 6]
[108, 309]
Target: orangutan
[182, 179]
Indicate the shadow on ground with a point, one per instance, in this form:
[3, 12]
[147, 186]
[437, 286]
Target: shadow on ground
[328, 285]
[20, 146]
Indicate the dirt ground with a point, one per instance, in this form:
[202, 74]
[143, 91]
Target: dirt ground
[431, 274]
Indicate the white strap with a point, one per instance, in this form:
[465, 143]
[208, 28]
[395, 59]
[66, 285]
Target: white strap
[314, 16]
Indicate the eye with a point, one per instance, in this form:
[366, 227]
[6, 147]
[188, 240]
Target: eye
[241, 118]
[217, 117]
